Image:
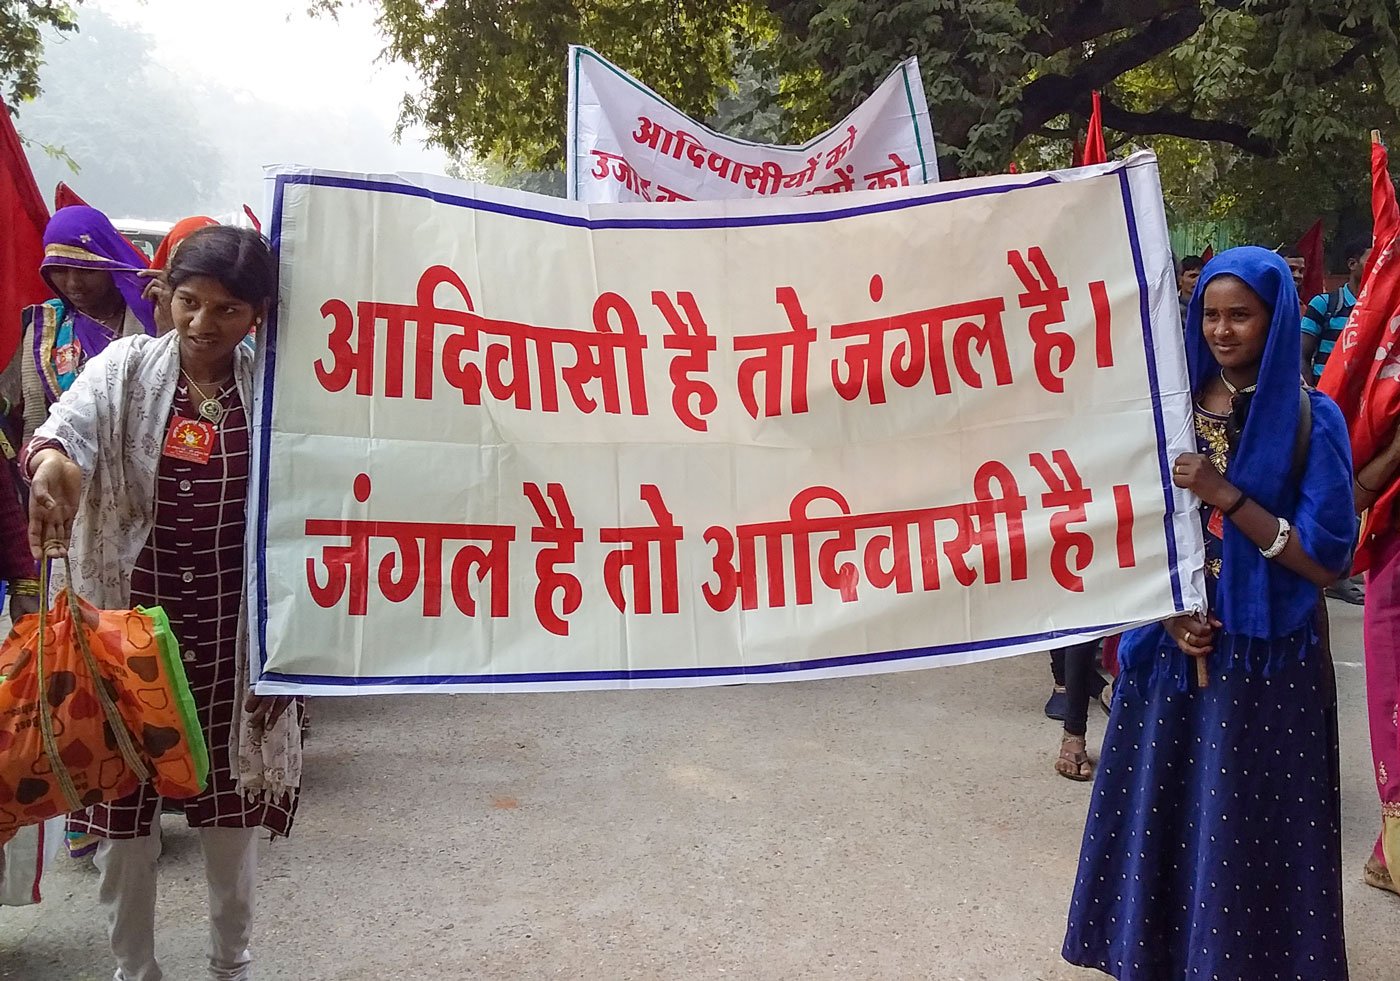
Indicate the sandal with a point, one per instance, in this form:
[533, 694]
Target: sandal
[1073, 762]
[1377, 875]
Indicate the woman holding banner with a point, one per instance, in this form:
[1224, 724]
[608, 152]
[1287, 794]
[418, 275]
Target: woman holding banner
[1213, 844]
[144, 465]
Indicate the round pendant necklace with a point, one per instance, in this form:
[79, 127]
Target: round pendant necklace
[210, 409]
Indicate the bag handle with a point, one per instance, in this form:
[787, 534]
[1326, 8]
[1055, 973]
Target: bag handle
[125, 746]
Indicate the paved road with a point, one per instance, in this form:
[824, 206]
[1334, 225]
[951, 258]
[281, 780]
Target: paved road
[906, 826]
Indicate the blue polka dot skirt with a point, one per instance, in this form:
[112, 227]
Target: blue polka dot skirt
[1213, 843]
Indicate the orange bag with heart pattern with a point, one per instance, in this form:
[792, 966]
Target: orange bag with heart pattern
[92, 703]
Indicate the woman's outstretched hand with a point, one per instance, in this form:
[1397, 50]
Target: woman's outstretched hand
[53, 503]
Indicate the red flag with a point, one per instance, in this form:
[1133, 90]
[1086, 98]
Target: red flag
[1385, 215]
[64, 196]
[1310, 248]
[257, 225]
[1363, 377]
[1095, 150]
[23, 215]
[1208, 253]
[1363, 373]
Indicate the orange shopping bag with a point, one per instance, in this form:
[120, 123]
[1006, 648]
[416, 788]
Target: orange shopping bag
[92, 703]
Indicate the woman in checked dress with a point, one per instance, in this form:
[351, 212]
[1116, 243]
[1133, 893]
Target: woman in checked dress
[143, 465]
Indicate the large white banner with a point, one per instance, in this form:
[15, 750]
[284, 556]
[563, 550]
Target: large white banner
[507, 442]
[626, 143]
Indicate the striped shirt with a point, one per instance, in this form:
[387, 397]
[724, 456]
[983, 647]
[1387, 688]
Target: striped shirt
[1317, 323]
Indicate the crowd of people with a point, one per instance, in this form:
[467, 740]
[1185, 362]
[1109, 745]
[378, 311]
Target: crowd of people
[1212, 846]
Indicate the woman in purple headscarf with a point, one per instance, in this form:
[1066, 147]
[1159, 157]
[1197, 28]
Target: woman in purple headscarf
[93, 272]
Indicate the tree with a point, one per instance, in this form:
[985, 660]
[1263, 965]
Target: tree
[22, 23]
[1307, 156]
[1257, 75]
[128, 161]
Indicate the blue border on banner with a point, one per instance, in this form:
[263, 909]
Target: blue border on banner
[264, 443]
[1153, 385]
[661, 674]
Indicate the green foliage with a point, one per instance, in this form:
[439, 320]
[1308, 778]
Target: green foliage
[1260, 75]
[1311, 79]
[22, 43]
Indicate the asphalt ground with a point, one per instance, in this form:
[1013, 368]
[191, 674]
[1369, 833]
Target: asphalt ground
[901, 826]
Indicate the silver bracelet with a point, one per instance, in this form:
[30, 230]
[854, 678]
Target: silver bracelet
[1280, 542]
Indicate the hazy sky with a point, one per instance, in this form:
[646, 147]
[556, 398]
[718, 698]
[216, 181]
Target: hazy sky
[289, 58]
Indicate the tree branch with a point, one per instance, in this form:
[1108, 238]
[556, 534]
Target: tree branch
[1094, 18]
[1354, 54]
[1169, 122]
[1048, 96]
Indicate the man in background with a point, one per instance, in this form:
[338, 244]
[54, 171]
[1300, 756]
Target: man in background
[1298, 266]
[1191, 267]
[1324, 319]
[1325, 316]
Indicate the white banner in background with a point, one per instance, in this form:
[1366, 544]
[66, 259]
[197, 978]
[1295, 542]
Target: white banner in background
[626, 143]
[507, 442]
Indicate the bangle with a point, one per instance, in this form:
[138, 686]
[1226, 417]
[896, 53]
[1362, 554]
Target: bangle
[1239, 503]
[24, 587]
[1280, 541]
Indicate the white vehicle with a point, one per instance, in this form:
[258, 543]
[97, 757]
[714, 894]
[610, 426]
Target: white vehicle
[143, 233]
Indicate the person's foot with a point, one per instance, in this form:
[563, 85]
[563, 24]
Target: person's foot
[1347, 591]
[1377, 875]
[1057, 707]
[1106, 697]
[1073, 763]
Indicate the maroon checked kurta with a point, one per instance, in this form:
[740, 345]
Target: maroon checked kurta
[192, 567]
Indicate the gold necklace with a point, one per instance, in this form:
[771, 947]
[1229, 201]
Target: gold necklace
[1247, 390]
[210, 409]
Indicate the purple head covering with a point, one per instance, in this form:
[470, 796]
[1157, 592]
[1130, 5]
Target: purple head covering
[80, 237]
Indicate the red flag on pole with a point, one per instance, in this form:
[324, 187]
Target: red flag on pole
[23, 216]
[64, 196]
[1208, 253]
[1095, 150]
[1310, 248]
[1363, 373]
[1385, 214]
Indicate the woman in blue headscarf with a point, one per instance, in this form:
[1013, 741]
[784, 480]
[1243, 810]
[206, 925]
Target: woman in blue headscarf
[93, 272]
[1213, 844]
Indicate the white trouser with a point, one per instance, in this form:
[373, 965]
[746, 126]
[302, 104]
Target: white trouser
[127, 892]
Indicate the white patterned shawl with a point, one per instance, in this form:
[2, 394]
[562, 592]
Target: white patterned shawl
[112, 422]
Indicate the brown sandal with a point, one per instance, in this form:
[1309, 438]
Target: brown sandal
[1073, 762]
[1377, 875]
